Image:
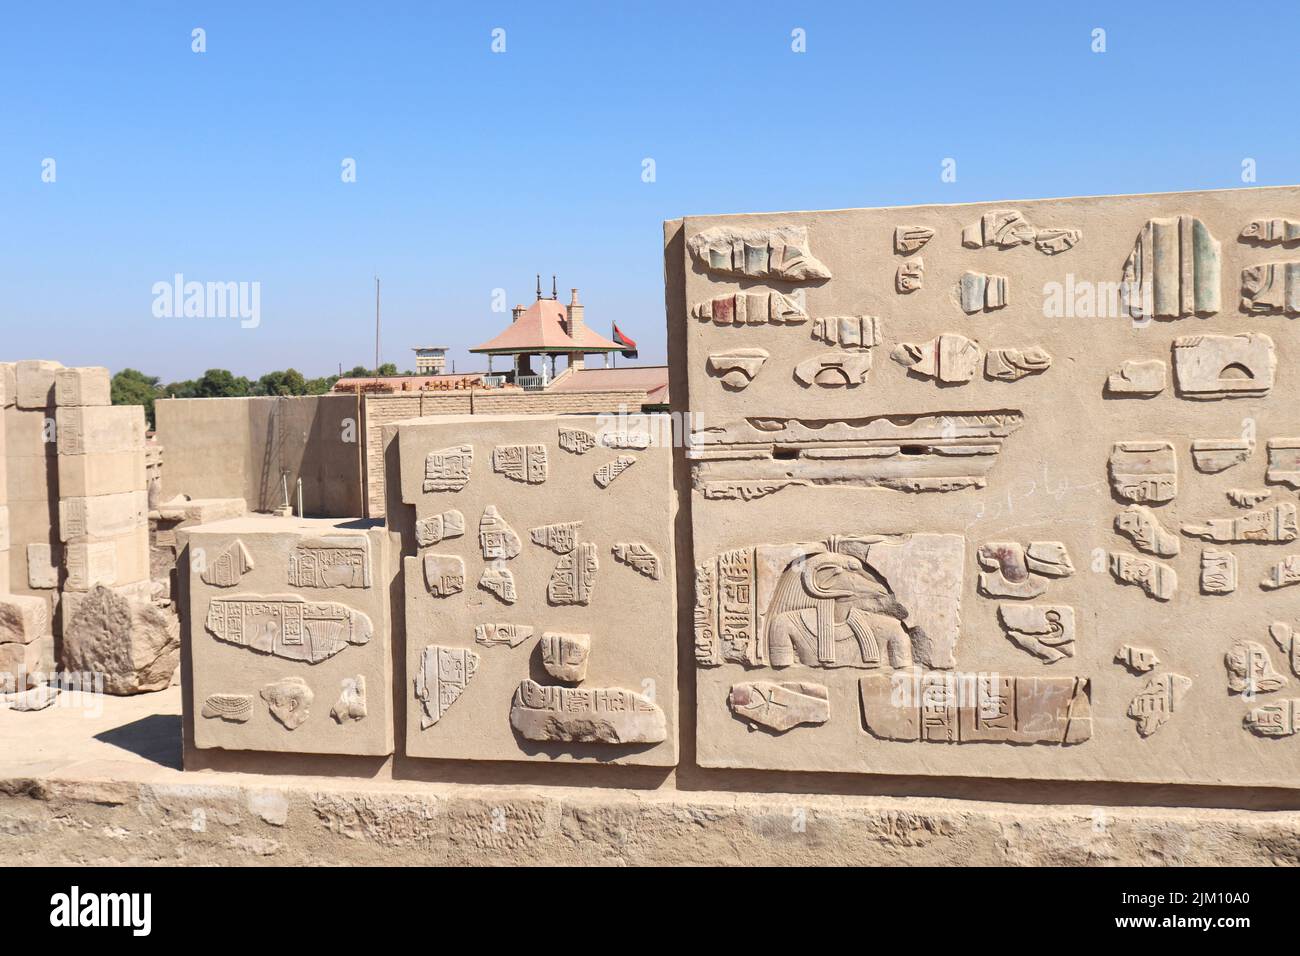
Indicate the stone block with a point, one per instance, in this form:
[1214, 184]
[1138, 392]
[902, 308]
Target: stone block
[116, 560]
[134, 644]
[100, 429]
[34, 383]
[29, 433]
[26, 665]
[42, 566]
[75, 387]
[8, 384]
[107, 473]
[4, 527]
[137, 591]
[23, 618]
[287, 628]
[568, 569]
[103, 516]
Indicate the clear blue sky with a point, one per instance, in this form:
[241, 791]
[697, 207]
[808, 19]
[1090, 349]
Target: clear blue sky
[476, 170]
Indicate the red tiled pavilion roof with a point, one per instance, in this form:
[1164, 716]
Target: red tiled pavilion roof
[541, 329]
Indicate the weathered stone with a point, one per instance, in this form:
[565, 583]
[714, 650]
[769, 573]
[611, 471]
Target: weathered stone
[82, 386]
[23, 618]
[134, 645]
[565, 656]
[780, 706]
[585, 715]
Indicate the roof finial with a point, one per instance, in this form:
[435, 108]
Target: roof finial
[539, 286]
[555, 295]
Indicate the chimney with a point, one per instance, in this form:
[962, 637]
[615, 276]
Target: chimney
[576, 328]
[516, 312]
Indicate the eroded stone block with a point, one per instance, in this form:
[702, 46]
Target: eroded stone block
[82, 386]
[565, 656]
[780, 706]
[135, 645]
[602, 715]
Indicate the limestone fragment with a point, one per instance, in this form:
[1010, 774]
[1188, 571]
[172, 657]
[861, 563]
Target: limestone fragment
[289, 701]
[1213, 455]
[908, 239]
[37, 698]
[577, 441]
[439, 527]
[442, 678]
[1137, 378]
[1280, 718]
[1144, 471]
[757, 253]
[1266, 232]
[1046, 631]
[560, 538]
[1248, 497]
[1158, 580]
[1006, 571]
[1283, 462]
[1271, 288]
[1049, 558]
[1011, 365]
[910, 276]
[574, 576]
[737, 367]
[495, 536]
[741, 309]
[236, 708]
[444, 574]
[351, 705]
[286, 626]
[1266, 526]
[979, 292]
[564, 656]
[1250, 671]
[497, 580]
[1173, 270]
[639, 557]
[834, 369]
[229, 566]
[448, 469]
[607, 472]
[780, 706]
[1284, 636]
[1283, 574]
[586, 715]
[1158, 701]
[135, 645]
[1218, 572]
[948, 358]
[1224, 366]
[510, 635]
[848, 331]
[1140, 525]
[526, 464]
[1138, 660]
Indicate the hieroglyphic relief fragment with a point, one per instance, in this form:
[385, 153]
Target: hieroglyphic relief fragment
[331, 562]
[639, 557]
[438, 528]
[448, 469]
[1218, 572]
[978, 292]
[236, 708]
[607, 472]
[351, 704]
[1007, 228]
[910, 276]
[509, 635]
[1140, 525]
[497, 540]
[1265, 526]
[1144, 471]
[780, 706]
[1158, 580]
[607, 715]
[1267, 232]
[1271, 288]
[834, 369]
[779, 252]
[1011, 365]
[1250, 670]
[497, 580]
[847, 331]
[559, 538]
[287, 626]
[1005, 571]
[750, 308]
[947, 358]
[564, 656]
[1283, 462]
[574, 576]
[1138, 660]
[443, 675]
[1046, 631]
[1173, 270]
[577, 441]
[1283, 574]
[1285, 636]
[231, 565]
[1224, 366]
[444, 574]
[1248, 497]
[289, 701]
[963, 708]
[736, 368]
[526, 464]
[1213, 455]
[1137, 378]
[1158, 701]
[1279, 718]
[908, 239]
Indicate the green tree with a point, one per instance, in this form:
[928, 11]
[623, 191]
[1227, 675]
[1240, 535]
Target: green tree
[288, 382]
[132, 387]
[220, 383]
[320, 386]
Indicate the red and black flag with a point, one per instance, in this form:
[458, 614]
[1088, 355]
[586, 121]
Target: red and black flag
[629, 345]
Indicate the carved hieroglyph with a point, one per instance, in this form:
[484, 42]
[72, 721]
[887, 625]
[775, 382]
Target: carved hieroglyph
[779, 252]
[910, 276]
[1283, 574]
[1224, 366]
[1284, 635]
[1159, 581]
[1140, 525]
[1279, 718]
[231, 565]
[908, 239]
[1265, 526]
[289, 701]
[351, 704]
[948, 358]
[780, 706]
[639, 557]
[497, 580]
[1137, 378]
[606, 715]
[1271, 288]
[1158, 701]
[496, 539]
[1218, 572]
[867, 601]
[574, 576]
[1213, 455]
[338, 561]
[287, 626]
[444, 574]
[236, 708]
[1014, 570]
[1138, 660]
[577, 441]
[847, 331]
[508, 635]
[560, 538]
[564, 656]
[1011, 365]
[758, 456]
[1267, 232]
[523, 463]
[1250, 670]
[977, 292]
[1283, 462]
[438, 528]
[1007, 228]
[607, 472]
[834, 370]
[736, 368]
[448, 469]
[1173, 270]
[443, 675]
[1144, 471]
[1046, 631]
[1248, 497]
[750, 308]
[976, 708]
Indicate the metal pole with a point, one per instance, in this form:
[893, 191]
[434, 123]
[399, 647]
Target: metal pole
[376, 327]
